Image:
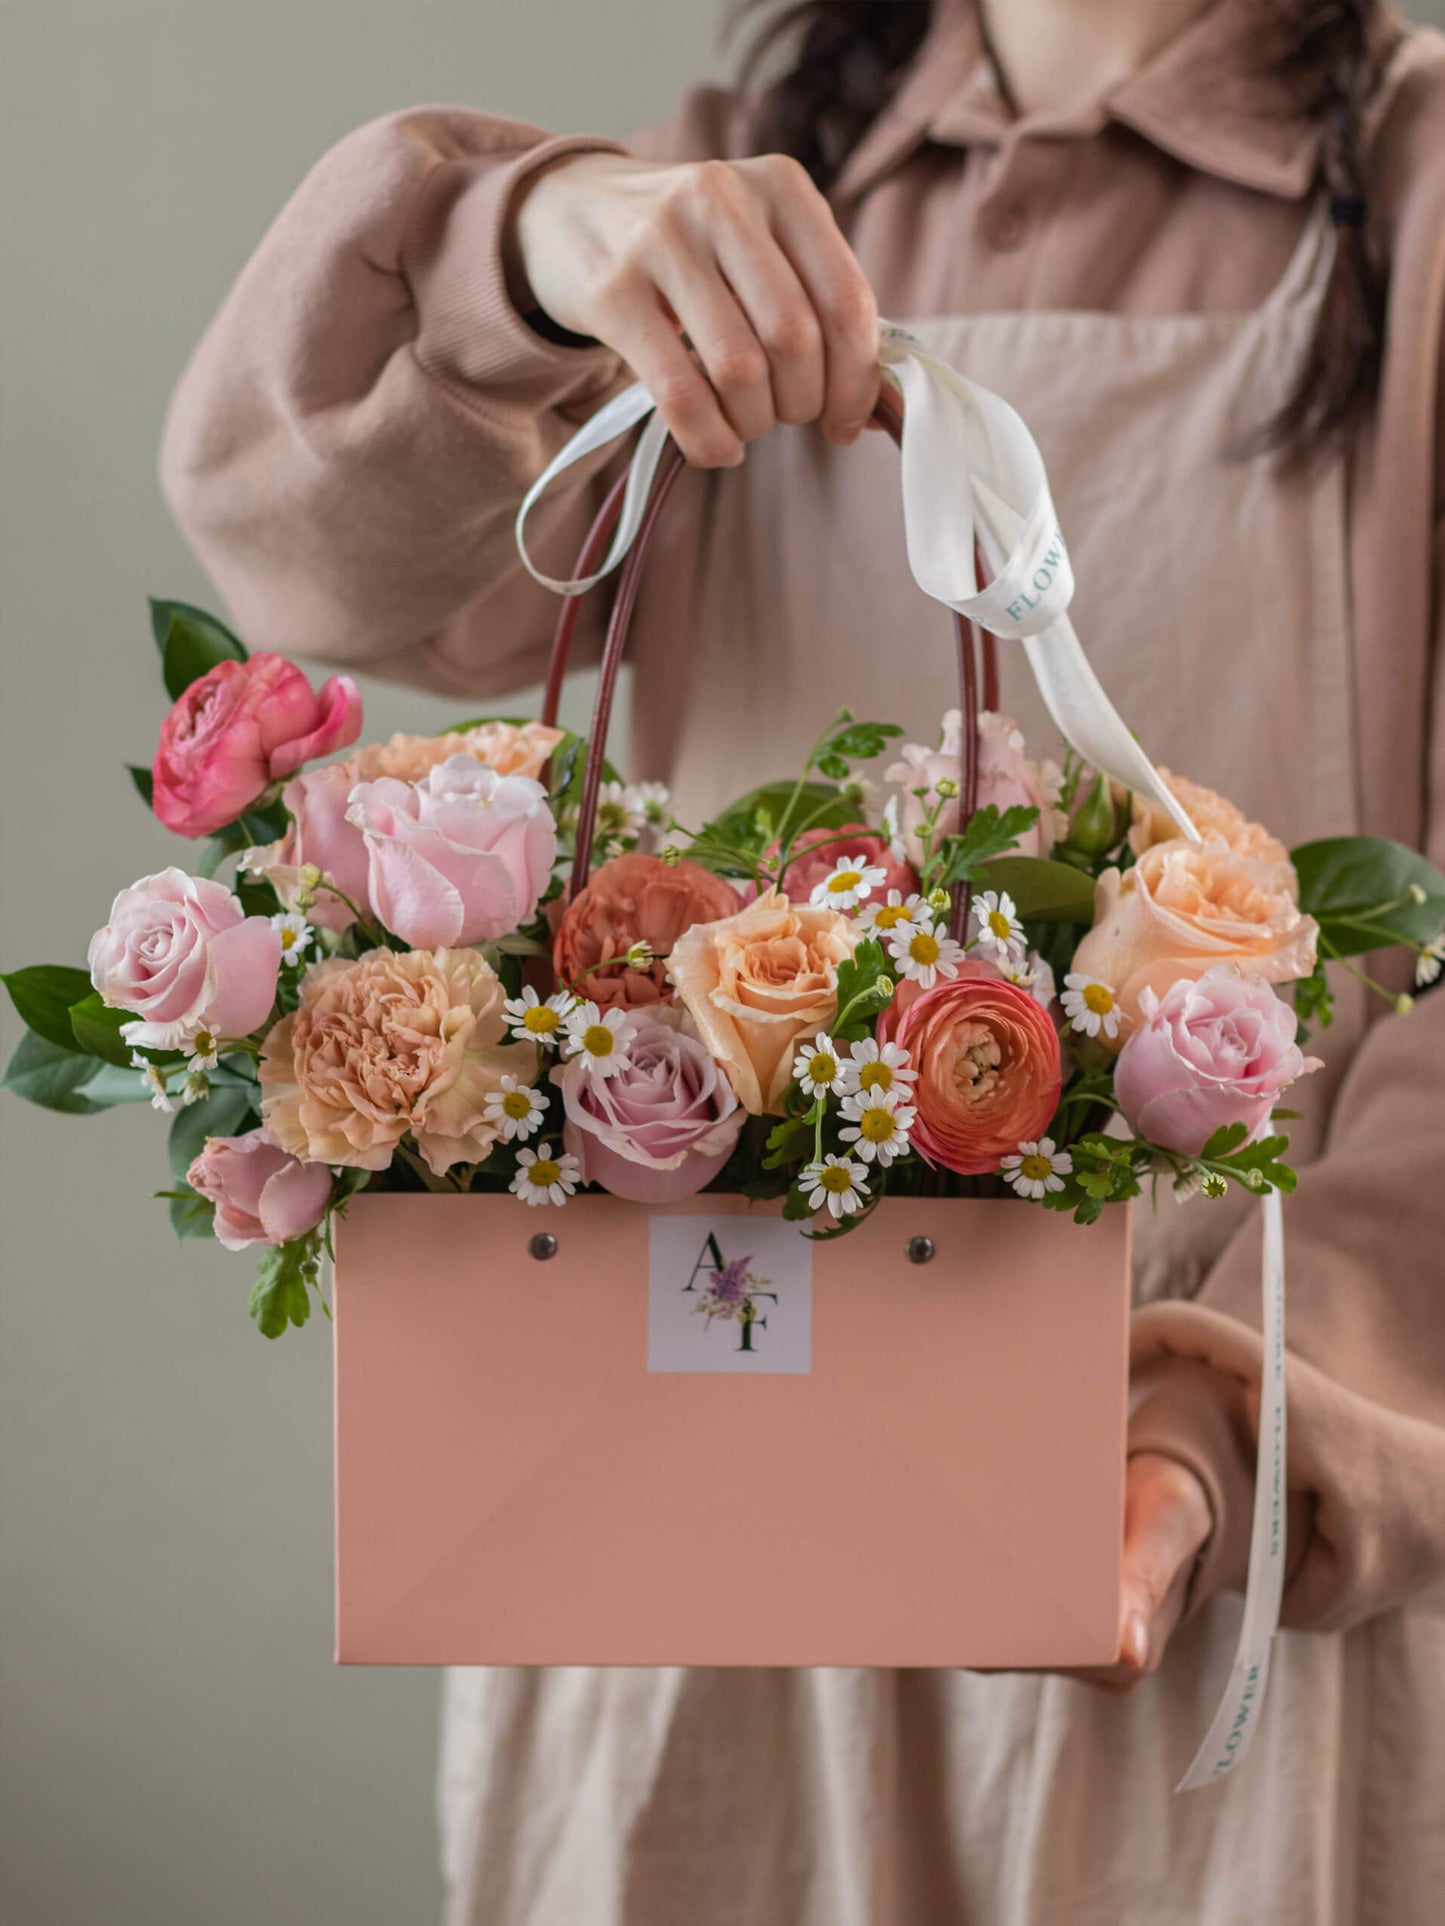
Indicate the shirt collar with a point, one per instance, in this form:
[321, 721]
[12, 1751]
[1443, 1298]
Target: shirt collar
[1209, 98]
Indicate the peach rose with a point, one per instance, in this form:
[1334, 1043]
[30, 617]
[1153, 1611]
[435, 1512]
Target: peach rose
[1184, 907]
[755, 982]
[394, 1042]
[988, 1063]
[635, 899]
[1212, 815]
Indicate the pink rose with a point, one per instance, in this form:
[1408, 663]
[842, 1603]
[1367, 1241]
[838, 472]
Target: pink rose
[238, 729]
[262, 1194]
[1005, 777]
[460, 857]
[661, 1126]
[1217, 1049]
[183, 955]
[320, 834]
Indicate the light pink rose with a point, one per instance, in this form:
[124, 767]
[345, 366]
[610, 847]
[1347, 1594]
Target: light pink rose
[1005, 777]
[1214, 1050]
[661, 1126]
[183, 955]
[319, 834]
[460, 857]
[238, 729]
[262, 1194]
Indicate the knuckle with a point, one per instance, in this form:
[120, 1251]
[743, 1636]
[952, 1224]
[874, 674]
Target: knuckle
[787, 177]
[682, 397]
[737, 363]
[852, 308]
[794, 333]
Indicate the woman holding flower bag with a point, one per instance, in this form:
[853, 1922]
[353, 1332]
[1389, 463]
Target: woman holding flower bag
[1161, 230]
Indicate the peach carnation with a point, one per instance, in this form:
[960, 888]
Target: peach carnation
[635, 899]
[512, 749]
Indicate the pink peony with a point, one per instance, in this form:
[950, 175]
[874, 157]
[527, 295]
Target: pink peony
[661, 1126]
[183, 955]
[460, 857]
[238, 729]
[262, 1194]
[1005, 777]
[1217, 1049]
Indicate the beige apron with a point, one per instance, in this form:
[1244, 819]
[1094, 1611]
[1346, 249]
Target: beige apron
[1212, 599]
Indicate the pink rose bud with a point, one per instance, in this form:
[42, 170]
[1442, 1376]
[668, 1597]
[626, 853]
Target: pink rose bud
[460, 857]
[238, 729]
[183, 955]
[1219, 1049]
[262, 1194]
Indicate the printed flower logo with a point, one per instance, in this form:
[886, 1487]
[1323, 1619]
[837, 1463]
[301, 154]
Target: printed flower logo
[732, 1292]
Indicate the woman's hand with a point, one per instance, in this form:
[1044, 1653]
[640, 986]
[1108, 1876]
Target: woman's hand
[743, 258]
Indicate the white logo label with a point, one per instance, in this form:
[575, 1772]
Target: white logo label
[729, 1294]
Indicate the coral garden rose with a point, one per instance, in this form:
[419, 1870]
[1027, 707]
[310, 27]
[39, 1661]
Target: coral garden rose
[262, 1194]
[635, 899]
[1219, 1049]
[817, 853]
[1184, 907]
[661, 1126]
[462, 856]
[1006, 777]
[181, 953]
[394, 1042]
[239, 728]
[757, 981]
[1212, 815]
[988, 1064]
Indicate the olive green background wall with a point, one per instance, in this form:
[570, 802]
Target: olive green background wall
[176, 1745]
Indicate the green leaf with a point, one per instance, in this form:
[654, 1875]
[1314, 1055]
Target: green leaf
[142, 780]
[861, 741]
[195, 644]
[66, 1080]
[95, 1030]
[1228, 1137]
[191, 1214]
[1314, 1000]
[796, 1208]
[858, 976]
[788, 1141]
[1043, 891]
[750, 822]
[227, 1112]
[279, 1296]
[43, 995]
[834, 767]
[1344, 879]
[989, 833]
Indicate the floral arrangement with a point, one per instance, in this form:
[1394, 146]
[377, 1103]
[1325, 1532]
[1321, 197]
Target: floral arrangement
[397, 987]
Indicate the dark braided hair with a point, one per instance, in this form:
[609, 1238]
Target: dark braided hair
[849, 57]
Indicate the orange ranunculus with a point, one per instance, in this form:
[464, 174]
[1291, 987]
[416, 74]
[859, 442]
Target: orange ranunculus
[397, 1041]
[757, 981]
[988, 1063]
[1213, 816]
[635, 899]
[1185, 907]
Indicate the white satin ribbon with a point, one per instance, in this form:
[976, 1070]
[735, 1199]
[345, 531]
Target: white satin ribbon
[972, 472]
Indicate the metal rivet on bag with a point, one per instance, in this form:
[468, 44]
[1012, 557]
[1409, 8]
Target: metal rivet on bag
[919, 1249]
[544, 1244]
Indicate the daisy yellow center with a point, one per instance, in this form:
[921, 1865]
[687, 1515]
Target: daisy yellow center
[1000, 925]
[611, 819]
[597, 1040]
[822, 1068]
[1098, 998]
[517, 1103]
[845, 880]
[1036, 1167]
[289, 939]
[540, 1021]
[835, 1179]
[923, 948]
[890, 916]
[877, 1124]
[205, 1043]
[545, 1172]
[875, 1076]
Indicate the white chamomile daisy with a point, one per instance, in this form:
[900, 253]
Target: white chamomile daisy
[619, 814]
[884, 919]
[850, 880]
[516, 1109]
[196, 1088]
[1034, 1169]
[878, 1126]
[203, 1048]
[530, 1020]
[154, 1081]
[818, 1067]
[1090, 1005]
[544, 1177]
[601, 1039]
[872, 1066]
[1034, 975]
[296, 936]
[836, 1183]
[1430, 962]
[652, 801]
[996, 923]
[925, 954]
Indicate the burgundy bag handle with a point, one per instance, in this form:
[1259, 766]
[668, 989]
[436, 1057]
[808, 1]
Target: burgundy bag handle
[889, 415]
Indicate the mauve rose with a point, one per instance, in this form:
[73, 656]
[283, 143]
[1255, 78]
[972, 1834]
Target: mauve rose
[262, 1194]
[182, 954]
[1005, 777]
[661, 1126]
[238, 729]
[460, 857]
[1212, 1051]
[635, 899]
